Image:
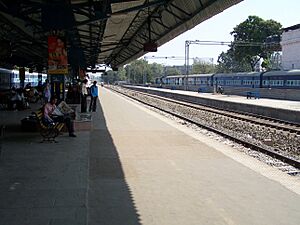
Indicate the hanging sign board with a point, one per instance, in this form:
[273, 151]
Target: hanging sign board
[57, 56]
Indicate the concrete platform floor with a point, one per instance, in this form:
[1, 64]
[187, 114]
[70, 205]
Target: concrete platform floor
[146, 170]
[137, 167]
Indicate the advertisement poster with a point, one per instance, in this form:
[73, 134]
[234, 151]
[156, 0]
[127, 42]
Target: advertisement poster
[57, 56]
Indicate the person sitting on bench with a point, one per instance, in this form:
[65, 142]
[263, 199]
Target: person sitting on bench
[50, 118]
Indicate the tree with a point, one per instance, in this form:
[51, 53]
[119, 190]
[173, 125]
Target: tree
[228, 64]
[172, 71]
[248, 45]
[110, 77]
[138, 72]
[156, 70]
[253, 30]
[201, 67]
[121, 74]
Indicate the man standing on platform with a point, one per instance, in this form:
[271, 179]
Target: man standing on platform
[84, 94]
[94, 97]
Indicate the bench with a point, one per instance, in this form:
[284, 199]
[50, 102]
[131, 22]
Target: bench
[48, 132]
[253, 94]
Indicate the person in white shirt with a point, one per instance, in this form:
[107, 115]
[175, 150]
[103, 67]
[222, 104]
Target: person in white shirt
[84, 94]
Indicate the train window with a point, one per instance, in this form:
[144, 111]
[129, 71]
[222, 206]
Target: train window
[293, 82]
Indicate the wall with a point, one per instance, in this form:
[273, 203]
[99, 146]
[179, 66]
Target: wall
[291, 49]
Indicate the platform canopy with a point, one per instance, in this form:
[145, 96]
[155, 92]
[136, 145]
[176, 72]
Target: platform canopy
[110, 32]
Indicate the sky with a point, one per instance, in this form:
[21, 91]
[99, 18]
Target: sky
[218, 28]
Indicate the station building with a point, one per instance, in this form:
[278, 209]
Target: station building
[290, 43]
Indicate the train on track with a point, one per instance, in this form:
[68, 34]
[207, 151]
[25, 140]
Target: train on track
[10, 78]
[272, 84]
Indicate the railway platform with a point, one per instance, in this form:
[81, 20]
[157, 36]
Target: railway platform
[279, 109]
[136, 167]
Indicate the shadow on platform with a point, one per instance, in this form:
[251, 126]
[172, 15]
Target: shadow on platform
[110, 199]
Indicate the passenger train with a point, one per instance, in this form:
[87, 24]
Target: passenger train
[272, 84]
[10, 78]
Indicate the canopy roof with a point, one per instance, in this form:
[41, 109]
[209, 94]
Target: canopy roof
[110, 32]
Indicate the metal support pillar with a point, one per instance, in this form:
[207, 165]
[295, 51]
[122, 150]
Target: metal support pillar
[187, 47]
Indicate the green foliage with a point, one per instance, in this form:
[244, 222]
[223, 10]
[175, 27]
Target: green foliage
[156, 70]
[203, 68]
[139, 71]
[121, 74]
[248, 45]
[172, 71]
[228, 64]
[110, 77]
[266, 64]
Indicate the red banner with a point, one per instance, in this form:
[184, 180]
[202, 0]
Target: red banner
[57, 56]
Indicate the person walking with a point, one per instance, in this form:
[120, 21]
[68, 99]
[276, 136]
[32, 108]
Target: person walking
[84, 94]
[94, 97]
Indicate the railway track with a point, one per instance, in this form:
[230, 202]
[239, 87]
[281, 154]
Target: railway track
[248, 117]
[267, 123]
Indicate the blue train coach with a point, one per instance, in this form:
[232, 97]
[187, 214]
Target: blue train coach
[238, 80]
[281, 79]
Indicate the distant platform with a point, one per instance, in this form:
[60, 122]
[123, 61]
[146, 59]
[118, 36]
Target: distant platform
[280, 109]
